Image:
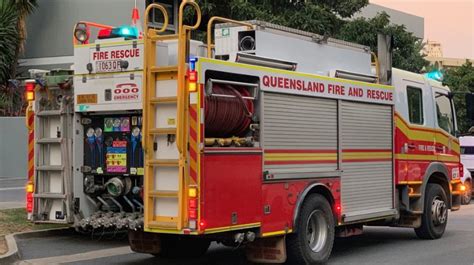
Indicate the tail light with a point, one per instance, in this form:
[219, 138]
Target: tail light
[30, 85]
[192, 207]
[29, 197]
[192, 75]
[461, 170]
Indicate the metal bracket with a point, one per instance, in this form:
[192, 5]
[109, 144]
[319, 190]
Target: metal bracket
[97, 47]
[234, 218]
[86, 121]
[134, 44]
[86, 169]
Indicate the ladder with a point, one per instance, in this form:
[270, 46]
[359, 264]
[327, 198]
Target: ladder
[53, 155]
[165, 116]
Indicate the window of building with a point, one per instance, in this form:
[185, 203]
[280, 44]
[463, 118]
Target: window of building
[444, 113]
[415, 105]
[156, 17]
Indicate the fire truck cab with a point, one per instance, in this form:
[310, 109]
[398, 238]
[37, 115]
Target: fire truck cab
[271, 138]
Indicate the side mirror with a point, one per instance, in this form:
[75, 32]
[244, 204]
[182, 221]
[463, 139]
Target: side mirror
[470, 109]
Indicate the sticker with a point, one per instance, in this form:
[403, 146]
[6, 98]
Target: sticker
[83, 107]
[133, 171]
[134, 121]
[108, 125]
[87, 99]
[171, 121]
[116, 158]
[140, 171]
[119, 144]
[100, 171]
[116, 125]
[125, 124]
[225, 32]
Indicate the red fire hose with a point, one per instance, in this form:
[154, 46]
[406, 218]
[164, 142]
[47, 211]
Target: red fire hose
[227, 113]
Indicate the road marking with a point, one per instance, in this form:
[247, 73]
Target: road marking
[96, 254]
[13, 188]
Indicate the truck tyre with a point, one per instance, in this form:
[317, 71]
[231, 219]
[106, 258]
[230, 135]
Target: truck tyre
[467, 196]
[313, 241]
[435, 213]
[185, 247]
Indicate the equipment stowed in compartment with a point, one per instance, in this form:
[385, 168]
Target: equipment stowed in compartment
[112, 145]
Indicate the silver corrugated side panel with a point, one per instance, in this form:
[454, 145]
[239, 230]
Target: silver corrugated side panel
[293, 122]
[367, 186]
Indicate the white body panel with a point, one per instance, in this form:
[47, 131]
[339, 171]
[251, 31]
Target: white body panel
[467, 157]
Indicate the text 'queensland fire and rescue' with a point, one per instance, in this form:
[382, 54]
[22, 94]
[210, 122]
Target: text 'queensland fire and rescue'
[322, 88]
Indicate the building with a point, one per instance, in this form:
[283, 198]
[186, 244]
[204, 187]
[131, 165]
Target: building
[50, 29]
[446, 63]
[434, 55]
[433, 49]
[414, 24]
[49, 43]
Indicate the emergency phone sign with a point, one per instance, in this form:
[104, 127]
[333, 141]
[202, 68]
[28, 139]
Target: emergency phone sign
[108, 59]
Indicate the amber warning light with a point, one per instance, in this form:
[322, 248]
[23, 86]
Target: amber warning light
[30, 89]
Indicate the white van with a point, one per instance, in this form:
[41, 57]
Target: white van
[467, 159]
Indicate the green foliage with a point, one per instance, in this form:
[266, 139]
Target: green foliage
[8, 40]
[461, 80]
[323, 16]
[407, 48]
[13, 15]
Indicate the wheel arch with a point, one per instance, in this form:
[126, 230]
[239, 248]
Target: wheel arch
[436, 173]
[314, 188]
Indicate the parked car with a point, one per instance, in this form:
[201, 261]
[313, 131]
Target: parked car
[467, 159]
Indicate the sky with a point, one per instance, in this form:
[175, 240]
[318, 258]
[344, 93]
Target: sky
[450, 22]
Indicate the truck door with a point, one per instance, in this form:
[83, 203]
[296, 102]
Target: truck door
[446, 144]
[416, 138]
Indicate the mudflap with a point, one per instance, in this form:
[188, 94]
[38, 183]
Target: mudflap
[267, 250]
[143, 242]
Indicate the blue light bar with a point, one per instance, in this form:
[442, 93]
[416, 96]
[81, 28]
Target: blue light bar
[128, 32]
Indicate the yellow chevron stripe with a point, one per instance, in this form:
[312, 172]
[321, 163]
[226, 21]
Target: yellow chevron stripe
[436, 135]
[444, 158]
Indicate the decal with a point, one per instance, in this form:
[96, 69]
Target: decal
[326, 88]
[126, 91]
[87, 99]
[125, 124]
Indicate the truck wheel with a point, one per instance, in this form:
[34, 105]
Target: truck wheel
[467, 196]
[435, 214]
[313, 241]
[185, 247]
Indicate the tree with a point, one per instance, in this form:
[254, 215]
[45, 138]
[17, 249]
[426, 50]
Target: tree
[407, 48]
[322, 17]
[461, 80]
[13, 15]
[325, 17]
[8, 40]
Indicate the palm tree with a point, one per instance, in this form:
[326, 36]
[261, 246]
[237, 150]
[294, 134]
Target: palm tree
[24, 8]
[8, 39]
[13, 15]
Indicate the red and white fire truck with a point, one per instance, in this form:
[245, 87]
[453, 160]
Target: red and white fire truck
[270, 138]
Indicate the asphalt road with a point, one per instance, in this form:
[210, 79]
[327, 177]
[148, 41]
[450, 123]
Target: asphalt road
[12, 192]
[378, 245]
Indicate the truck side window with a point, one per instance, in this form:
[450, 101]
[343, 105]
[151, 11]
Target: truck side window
[467, 150]
[415, 105]
[444, 113]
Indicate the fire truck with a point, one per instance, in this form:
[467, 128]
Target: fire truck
[265, 137]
